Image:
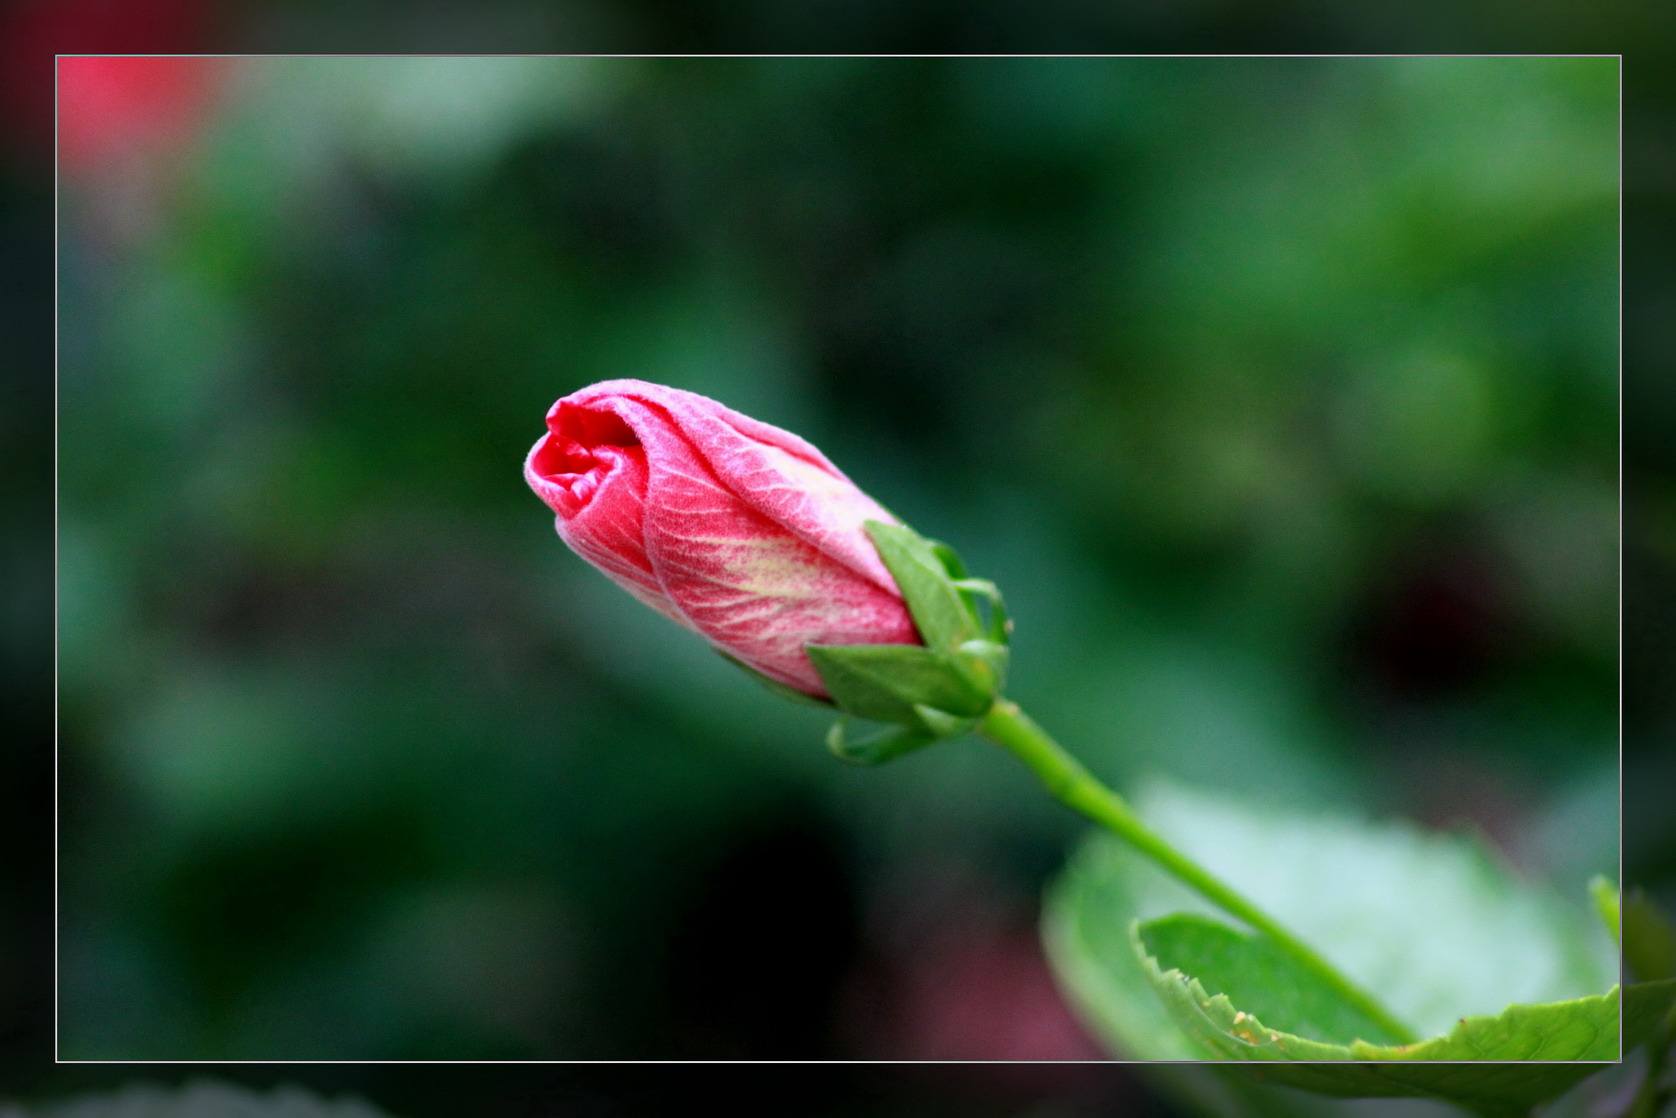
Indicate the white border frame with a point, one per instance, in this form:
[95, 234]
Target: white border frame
[56, 182]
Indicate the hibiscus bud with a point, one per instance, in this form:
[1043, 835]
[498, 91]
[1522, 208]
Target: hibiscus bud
[747, 535]
[738, 530]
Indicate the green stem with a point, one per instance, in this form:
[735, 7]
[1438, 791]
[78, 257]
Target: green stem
[1013, 730]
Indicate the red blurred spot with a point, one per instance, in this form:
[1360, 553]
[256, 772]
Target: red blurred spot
[991, 997]
[112, 108]
[149, 104]
[961, 975]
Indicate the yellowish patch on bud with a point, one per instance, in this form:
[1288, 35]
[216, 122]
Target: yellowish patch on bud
[770, 568]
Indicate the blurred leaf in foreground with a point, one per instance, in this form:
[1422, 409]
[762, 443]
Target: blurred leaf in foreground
[205, 1100]
[1649, 938]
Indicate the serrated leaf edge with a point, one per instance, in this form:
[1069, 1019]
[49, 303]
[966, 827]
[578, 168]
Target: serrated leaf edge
[1265, 1043]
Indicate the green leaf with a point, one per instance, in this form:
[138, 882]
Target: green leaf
[942, 615]
[1240, 998]
[1262, 980]
[1582, 1030]
[886, 682]
[1246, 999]
[1430, 923]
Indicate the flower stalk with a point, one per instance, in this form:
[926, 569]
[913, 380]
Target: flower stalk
[1072, 784]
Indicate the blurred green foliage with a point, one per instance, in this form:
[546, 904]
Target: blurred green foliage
[1279, 396]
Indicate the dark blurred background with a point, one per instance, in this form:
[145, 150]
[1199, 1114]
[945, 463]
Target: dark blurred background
[1279, 396]
[780, 236]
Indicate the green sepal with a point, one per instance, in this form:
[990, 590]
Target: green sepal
[941, 613]
[925, 692]
[1000, 626]
[985, 662]
[954, 612]
[886, 682]
[885, 744]
[941, 723]
[972, 589]
[774, 685]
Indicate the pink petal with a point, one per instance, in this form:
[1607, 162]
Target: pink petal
[757, 586]
[775, 471]
[599, 494]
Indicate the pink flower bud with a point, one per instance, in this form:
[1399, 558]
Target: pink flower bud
[738, 530]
